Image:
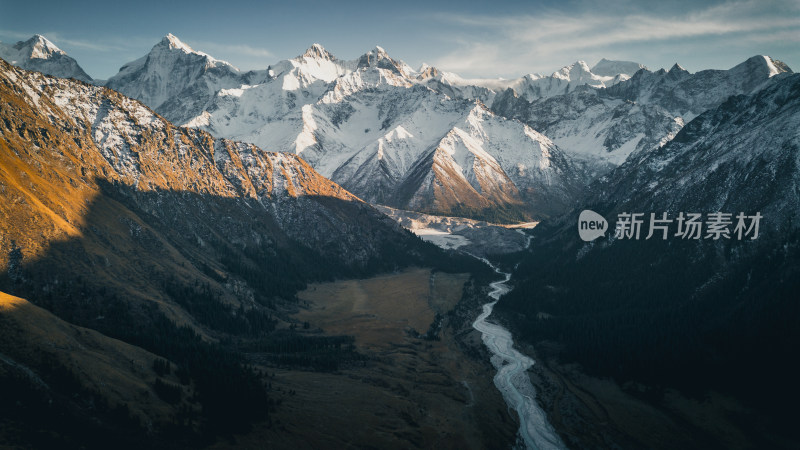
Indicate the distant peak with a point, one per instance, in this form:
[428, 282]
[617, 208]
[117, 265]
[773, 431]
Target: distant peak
[677, 68]
[762, 64]
[373, 56]
[39, 47]
[174, 47]
[318, 52]
[377, 57]
[573, 71]
[376, 53]
[576, 65]
[426, 71]
[581, 67]
[171, 41]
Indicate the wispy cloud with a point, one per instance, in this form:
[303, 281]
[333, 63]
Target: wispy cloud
[69, 41]
[14, 35]
[541, 42]
[244, 50]
[244, 56]
[99, 46]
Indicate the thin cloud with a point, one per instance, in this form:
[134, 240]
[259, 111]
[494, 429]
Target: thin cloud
[244, 56]
[64, 41]
[14, 35]
[244, 50]
[510, 45]
[61, 40]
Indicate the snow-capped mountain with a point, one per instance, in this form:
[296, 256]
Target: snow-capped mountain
[639, 114]
[648, 308]
[424, 139]
[41, 55]
[372, 125]
[532, 87]
[390, 141]
[174, 73]
[686, 94]
[741, 155]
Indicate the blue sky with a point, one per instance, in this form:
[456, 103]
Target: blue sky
[487, 39]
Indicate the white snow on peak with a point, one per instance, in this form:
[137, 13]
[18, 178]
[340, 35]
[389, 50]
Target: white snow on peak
[308, 69]
[756, 67]
[535, 86]
[41, 55]
[42, 48]
[773, 69]
[317, 51]
[578, 72]
[678, 68]
[173, 42]
[37, 47]
[168, 69]
[377, 54]
[581, 67]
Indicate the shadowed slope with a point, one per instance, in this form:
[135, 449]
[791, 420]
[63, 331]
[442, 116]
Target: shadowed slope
[170, 240]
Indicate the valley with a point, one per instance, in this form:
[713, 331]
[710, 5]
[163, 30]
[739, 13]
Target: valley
[474, 237]
[406, 390]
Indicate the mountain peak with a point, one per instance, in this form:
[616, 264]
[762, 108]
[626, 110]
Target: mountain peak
[377, 53]
[678, 68]
[172, 42]
[317, 51]
[39, 47]
[574, 72]
[170, 67]
[427, 71]
[581, 66]
[775, 67]
[378, 57]
[760, 64]
[41, 55]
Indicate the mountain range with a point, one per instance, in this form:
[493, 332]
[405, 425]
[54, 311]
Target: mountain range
[368, 125]
[697, 315]
[431, 141]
